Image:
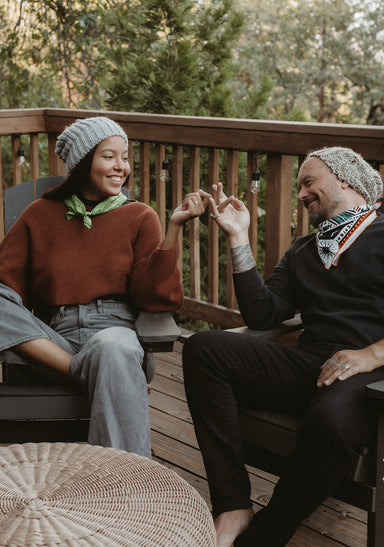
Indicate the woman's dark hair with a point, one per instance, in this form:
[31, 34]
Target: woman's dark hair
[75, 181]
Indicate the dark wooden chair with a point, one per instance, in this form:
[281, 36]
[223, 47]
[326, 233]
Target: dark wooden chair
[35, 412]
[270, 436]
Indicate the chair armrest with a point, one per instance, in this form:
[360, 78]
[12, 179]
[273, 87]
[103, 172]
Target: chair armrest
[156, 327]
[376, 390]
[157, 331]
[286, 327]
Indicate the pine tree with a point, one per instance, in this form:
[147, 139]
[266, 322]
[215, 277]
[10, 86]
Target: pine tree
[172, 56]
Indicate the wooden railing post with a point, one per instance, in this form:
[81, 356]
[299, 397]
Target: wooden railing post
[160, 187]
[144, 173]
[177, 192]
[194, 229]
[213, 232]
[278, 209]
[252, 202]
[34, 156]
[232, 189]
[56, 165]
[302, 217]
[131, 181]
[16, 142]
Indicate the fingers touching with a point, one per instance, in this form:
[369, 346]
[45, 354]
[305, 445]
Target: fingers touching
[196, 202]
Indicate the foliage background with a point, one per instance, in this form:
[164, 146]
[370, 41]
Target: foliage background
[280, 59]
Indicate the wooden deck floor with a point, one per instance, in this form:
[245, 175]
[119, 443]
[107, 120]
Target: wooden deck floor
[174, 444]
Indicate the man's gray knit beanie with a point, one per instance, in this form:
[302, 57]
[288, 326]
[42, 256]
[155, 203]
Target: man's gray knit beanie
[350, 167]
[82, 136]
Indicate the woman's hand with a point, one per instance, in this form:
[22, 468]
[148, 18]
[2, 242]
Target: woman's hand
[348, 362]
[230, 214]
[193, 205]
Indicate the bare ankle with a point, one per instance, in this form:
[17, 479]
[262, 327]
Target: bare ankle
[231, 524]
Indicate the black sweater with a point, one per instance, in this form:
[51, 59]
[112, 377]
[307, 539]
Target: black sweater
[342, 305]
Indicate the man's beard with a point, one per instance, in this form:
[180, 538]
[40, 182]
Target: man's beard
[317, 217]
[320, 214]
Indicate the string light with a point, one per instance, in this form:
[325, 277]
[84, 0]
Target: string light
[255, 183]
[255, 180]
[20, 155]
[164, 173]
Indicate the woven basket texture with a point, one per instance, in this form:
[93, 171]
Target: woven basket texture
[78, 495]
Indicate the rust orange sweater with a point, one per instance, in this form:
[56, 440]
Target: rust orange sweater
[47, 258]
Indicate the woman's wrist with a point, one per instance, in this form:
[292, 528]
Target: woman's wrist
[171, 237]
[174, 223]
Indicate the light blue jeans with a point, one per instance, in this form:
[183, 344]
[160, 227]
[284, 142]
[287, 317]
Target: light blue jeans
[107, 360]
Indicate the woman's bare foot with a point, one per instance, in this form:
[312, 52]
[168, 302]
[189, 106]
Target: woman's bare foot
[230, 524]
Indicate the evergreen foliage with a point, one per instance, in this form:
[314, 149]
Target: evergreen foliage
[172, 57]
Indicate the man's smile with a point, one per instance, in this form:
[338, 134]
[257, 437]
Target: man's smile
[307, 202]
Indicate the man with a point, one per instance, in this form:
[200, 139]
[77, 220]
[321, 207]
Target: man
[335, 278]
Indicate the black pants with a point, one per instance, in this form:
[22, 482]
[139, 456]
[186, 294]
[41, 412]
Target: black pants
[222, 370]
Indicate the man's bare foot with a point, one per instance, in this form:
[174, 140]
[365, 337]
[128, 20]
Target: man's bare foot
[230, 524]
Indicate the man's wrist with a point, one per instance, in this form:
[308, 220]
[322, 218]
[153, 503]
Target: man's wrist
[242, 258]
[237, 240]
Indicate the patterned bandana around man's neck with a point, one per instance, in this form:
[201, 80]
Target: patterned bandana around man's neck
[336, 235]
[77, 208]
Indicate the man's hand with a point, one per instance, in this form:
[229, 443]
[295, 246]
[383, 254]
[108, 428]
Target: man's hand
[231, 215]
[348, 362]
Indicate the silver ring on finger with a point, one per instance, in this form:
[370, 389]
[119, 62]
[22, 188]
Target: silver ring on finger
[345, 367]
[215, 216]
[196, 202]
[333, 364]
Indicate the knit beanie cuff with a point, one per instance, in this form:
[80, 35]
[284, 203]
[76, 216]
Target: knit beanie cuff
[82, 136]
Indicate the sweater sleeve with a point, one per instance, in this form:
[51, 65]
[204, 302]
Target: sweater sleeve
[15, 260]
[265, 305]
[155, 282]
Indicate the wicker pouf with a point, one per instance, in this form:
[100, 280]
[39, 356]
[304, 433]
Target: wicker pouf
[77, 494]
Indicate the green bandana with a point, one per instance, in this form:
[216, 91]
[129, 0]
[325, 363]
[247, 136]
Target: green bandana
[77, 208]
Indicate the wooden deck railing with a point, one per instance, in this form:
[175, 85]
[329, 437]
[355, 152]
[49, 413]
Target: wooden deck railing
[201, 151]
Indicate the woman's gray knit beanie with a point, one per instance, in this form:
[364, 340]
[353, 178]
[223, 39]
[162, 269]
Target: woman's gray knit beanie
[82, 136]
[350, 167]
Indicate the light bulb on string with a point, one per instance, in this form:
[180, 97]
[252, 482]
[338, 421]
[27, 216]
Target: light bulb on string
[164, 173]
[20, 156]
[255, 182]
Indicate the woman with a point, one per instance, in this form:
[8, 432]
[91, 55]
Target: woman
[90, 258]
